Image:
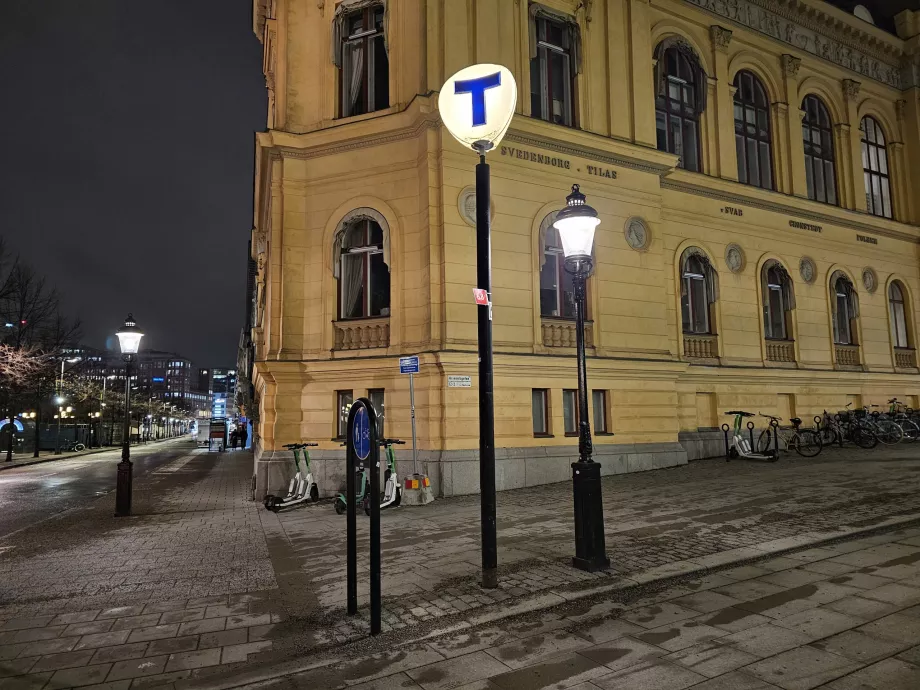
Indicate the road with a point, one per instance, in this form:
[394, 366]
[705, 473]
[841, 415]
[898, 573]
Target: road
[36, 492]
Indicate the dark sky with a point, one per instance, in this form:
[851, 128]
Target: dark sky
[126, 153]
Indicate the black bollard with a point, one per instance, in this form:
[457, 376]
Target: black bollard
[725, 429]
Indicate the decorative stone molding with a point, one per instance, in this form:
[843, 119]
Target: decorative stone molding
[847, 355]
[638, 235]
[561, 332]
[466, 205]
[780, 351]
[734, 258]
[720, 36]
[851, 89]
[905, 358]
[869, 280]
[807, 269]
[791, 65]
[701, 346]
[361, 334]
[806, 28]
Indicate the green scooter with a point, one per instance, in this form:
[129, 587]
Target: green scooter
[392, 494]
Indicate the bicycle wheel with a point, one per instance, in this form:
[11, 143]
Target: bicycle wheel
[863, 437]
[889, 433]
[829, 435]
[911, 430]
[807, 443]
[765, 441]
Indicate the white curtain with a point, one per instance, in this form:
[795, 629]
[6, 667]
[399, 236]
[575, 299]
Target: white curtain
[338, 24]
[353, 283]
[355, 74]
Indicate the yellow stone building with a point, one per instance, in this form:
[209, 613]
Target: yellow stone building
[756, 168]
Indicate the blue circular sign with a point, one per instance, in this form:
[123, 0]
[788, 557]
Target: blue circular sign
[361, 434]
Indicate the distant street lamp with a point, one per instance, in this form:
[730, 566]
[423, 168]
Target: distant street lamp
[129, 339]
[576, 224]
[59, 400]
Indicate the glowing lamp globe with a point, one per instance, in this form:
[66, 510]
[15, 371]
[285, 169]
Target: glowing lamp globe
[477, 104]
[576, 224]
[129, 336]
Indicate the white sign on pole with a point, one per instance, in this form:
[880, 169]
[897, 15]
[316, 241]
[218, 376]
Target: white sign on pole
[459, 381]
[477, 104]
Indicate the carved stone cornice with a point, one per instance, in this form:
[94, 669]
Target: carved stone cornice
[721, 37]
[806, 28]
[851, 89]
[791, 65]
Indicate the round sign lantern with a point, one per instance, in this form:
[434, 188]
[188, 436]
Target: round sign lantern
[477, 105]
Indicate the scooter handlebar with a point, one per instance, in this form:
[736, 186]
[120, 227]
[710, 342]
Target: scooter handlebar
[391, 442]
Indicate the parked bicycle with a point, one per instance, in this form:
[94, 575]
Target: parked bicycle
[72, 447]
[886, 430]
[899, 413]
[845, 426]
[805, 442]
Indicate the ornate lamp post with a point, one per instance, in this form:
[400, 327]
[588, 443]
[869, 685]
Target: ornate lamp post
[576, 224]
[129, 339]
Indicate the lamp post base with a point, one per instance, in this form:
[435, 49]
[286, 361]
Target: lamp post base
[123, 488]
[590, 549]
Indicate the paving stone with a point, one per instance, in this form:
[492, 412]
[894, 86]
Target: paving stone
[894, 627]
[117, 685]
[156, 632]
[62, 644]
[744, 572]
[529, 650]
[87, 628]
[69, 618]
[606, 630]
[452, 673]
[103, 639]
[203, 626]
[711, 658]
[181, 616]
[120, 653]
[659, 614]
[792, 578]
[240, 652]
[224, 638]
[567, 671]
[121, 612]
[160, 680]
[33, 681]
[829, 568]
[138, 668]
[11, 651]
[911, 655]
[867, 609]
[705, 602]
[736, 680]
[650, 675]
[27, 622]
[733, 619]
[164, 606]
[257, 633]
[858, 646]
[248, 619]
[468, 641]
[818, 623]
[750, 590]
[147, 620]
[16, 667]
[888, 674]
[190, 660]
[894, 593]
[75, 677]
[172, 645]
[222, 610]
[802, 668]
[680, 635]
[34, 634]
[400, 681]
[622, 652]
[53, 662]
[766, 640]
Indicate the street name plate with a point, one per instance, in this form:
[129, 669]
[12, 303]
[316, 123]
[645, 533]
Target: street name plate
[459, 381]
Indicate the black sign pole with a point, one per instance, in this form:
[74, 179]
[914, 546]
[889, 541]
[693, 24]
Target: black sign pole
[351, 522]
[374, 498]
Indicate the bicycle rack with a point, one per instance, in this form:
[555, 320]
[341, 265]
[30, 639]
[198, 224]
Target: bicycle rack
[750, 427]
[775, 425]
[725, 429]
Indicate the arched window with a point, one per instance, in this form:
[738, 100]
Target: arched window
[875, 168]
[697, 291]
[819, 151]
[896, 301]
[680, 99]
[557, 293]
[752, 131]
[778, 301]
[845, 308]
[364, 277]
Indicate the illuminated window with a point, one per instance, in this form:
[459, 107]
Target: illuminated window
[364, 70]
[557, 291]
[552, 70]
[875, 168]
[697, 292]
[752, 131]
[896, 301]
[679, 102]
[364, 278]
[818, 140]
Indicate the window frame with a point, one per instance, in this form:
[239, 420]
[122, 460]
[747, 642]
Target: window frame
[368, 250]
[554, 258]
[341, 417]
[841, 296]
[544, 393]
[893, 314]
[576, 413]
[684, 112]
[827, 154]
[741, 130]
[688, 279]
[542, 63]
[367, 37]
[870, 145]
[601, 420]
[381, 413]
[779, 286]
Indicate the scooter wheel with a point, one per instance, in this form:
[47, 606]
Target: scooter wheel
[268, 501]
[339, 507]
[273, 504]
[314, 493]
[398, 498]
[367, 507]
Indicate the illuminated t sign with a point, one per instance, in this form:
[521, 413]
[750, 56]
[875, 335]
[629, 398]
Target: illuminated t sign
[478, 87]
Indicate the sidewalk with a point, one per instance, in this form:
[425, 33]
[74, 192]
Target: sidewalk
[202, 580]
[27, 459]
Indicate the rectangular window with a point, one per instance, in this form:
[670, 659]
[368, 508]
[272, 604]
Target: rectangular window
[570, 412]
[365, 70]
[539, 404]
[599, 402]
[375, 395]
[552, 74]
[344, 399]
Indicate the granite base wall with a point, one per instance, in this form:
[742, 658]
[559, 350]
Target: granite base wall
[706, 443]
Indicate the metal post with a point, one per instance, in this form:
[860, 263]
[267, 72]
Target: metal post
[374, 498]
[351, 525]
[412, 406]
[38, 421]
[123, 484]
[486, 397]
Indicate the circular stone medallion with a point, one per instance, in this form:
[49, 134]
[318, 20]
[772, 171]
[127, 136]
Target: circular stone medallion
[466, 205]
[807, 269]
[734, 258]
[869, 280]
[637, 233]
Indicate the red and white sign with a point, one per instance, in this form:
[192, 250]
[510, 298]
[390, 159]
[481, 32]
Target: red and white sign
[481, 296]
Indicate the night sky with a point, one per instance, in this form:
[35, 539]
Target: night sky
[126, 155]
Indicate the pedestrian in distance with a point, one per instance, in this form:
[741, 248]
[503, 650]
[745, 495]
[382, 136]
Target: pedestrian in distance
[244, 436]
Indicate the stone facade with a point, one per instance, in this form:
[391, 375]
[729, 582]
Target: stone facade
[665, 390]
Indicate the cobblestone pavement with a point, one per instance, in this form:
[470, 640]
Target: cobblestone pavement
[841, 617]
[205, 587]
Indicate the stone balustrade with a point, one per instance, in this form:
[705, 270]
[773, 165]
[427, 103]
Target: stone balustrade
[780, 351]
[561, 332]
[362, 334]
[700, 346]
[905, 358]
[847, 355]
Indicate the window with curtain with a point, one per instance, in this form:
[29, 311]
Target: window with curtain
[843, 298]
[364, 277]
[557, 291]
[697, 293]
[818, 139]
[552, 70]
[898, 315]
[343, 400]
[539, 404]
[570, 411]
[778, 301]
[875, 168]
[753, 138]
[678, 104]
[599, 402]
[364, 68]
[376, 396]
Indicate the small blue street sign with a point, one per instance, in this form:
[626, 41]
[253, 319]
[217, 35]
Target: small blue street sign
[408, 365]
[362, 434]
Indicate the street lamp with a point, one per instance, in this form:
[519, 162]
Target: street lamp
[576, 224]
[129, 340]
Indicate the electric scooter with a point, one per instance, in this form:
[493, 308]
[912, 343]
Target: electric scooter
[740, 446]
[392, 492]
[302, 488]
[361, 483]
